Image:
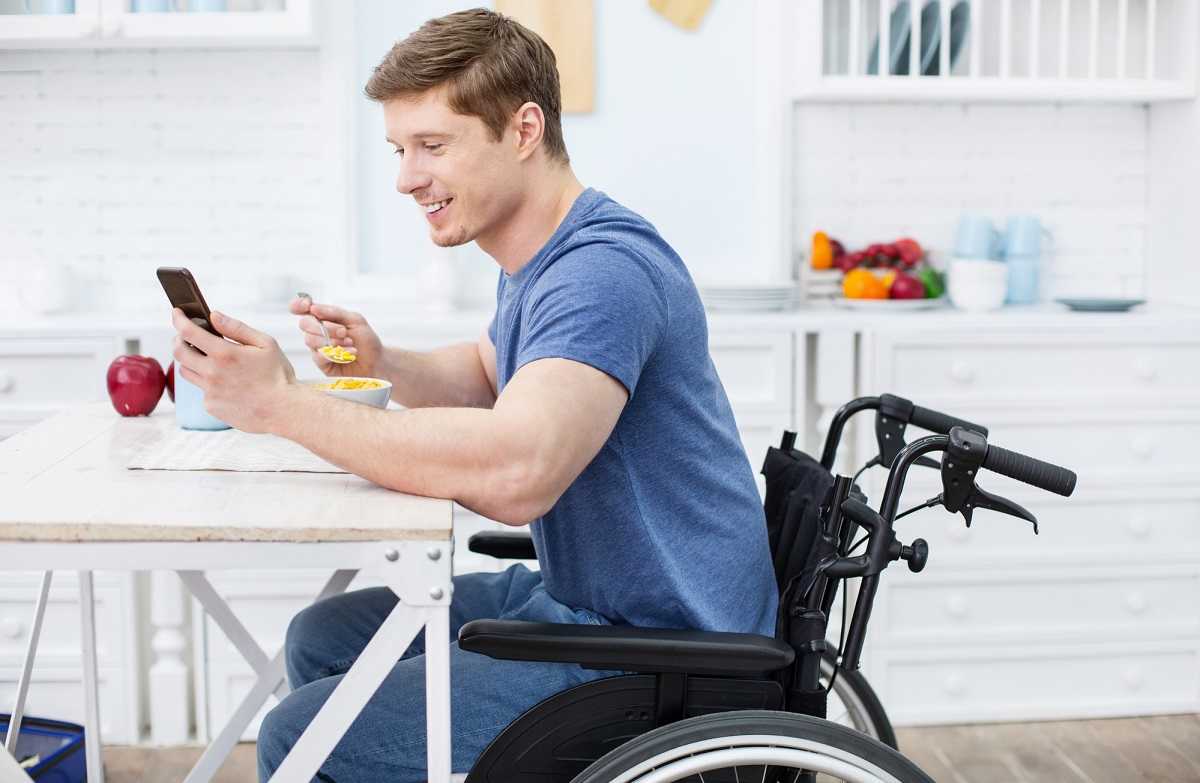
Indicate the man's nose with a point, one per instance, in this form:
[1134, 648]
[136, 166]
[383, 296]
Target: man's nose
[410, 178]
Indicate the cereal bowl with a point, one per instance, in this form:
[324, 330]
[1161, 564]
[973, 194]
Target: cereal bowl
[369, 391]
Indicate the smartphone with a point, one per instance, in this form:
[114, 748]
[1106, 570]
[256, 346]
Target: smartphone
[185, 294]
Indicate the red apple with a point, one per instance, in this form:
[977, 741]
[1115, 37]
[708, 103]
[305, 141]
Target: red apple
[135, 384]
[171, 381]
[906, 287]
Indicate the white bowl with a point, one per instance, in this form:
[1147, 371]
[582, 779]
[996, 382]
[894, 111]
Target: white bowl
[977, 284]
[377, 398]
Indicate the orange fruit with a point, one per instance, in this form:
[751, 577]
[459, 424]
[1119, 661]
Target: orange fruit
[863, 284]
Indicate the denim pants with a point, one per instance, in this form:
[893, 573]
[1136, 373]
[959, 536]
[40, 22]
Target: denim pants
[387, 740]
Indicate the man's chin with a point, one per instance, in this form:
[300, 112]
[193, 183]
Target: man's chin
[449, 240]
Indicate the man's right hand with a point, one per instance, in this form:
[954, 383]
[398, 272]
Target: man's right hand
[346, 329]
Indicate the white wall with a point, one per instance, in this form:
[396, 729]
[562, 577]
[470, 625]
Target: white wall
[116, 162]
[871, 173]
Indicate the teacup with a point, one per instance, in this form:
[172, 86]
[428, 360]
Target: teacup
[977, 284]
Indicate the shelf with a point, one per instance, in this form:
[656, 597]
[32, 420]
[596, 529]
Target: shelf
[901, 89]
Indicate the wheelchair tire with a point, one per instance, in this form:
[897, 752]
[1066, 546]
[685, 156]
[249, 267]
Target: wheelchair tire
[747, 745]
[857, 706]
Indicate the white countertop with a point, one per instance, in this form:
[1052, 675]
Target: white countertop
[813, 318]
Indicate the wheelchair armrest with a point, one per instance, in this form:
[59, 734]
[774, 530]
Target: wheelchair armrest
[504, 545]
[626, 648]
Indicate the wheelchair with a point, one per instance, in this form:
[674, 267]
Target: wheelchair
[730, 707]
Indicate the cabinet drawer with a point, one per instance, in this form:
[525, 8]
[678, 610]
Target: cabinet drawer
[62, 370]
[1099, 525]
[922, 609]
[755, 368]
[1042, 683]
[1041, 367]
[59, 644]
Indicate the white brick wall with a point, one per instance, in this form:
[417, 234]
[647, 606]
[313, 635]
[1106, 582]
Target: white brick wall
[872, 173]
[115, 162]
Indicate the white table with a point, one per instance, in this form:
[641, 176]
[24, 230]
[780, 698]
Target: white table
[70, 503]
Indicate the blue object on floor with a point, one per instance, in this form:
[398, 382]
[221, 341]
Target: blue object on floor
[57, 744]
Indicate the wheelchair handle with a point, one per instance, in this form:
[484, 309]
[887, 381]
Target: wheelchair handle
[897, 407]
[936, 421]
[1033, 471]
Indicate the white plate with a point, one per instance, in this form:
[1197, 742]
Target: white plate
[889, 305]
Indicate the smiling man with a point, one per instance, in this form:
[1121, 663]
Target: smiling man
[589, 410]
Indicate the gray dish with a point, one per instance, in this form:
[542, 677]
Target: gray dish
[1100, 305]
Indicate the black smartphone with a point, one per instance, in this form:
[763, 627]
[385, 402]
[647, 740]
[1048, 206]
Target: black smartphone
[185, 294]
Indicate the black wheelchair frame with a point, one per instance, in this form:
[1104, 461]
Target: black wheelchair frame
[813, 517]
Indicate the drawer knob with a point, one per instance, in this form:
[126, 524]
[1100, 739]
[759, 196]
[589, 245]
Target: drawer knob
[11, 627]
[955, 685]
[1135, 603]
[1139, 526]
[1142, 447]
[7, 383]
[1134, 678]
[962, 372]
[956, 606]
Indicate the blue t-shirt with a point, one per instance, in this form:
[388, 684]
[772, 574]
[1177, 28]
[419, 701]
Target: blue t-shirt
[664, 528]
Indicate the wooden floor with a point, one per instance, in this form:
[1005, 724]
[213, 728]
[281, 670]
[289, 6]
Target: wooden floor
[1101, 751]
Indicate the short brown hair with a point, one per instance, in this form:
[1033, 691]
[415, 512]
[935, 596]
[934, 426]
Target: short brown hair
[490, 64]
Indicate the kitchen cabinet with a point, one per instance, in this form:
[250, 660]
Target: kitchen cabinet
[106, 24]
[1093, 617]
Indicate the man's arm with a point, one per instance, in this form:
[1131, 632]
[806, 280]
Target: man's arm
[510, 463]
[457, 376]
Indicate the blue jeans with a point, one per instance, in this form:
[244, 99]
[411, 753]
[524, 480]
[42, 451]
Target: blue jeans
[387, 740]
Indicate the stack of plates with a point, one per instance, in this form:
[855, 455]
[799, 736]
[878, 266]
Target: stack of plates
[821, 285]
[758, 297]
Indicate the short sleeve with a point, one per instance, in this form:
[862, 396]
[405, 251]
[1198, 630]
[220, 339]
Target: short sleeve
[599, 304]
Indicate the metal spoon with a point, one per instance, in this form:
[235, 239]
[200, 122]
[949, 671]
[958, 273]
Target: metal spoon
[325, 334]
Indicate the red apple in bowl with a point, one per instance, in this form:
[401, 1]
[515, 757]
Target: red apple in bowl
[135, 384]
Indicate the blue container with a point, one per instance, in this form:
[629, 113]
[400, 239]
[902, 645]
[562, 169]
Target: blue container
[58, 746]
[189, 406]
[1023, 276]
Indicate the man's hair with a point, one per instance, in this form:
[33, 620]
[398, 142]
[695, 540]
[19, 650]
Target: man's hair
[490, 65]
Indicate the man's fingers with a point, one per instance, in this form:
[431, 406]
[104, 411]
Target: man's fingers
[336, 331]
[240, 332]
[337, 314]
[299, 306]
[196, 335]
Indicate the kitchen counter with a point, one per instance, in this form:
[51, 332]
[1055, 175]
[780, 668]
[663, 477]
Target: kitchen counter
[814, 319]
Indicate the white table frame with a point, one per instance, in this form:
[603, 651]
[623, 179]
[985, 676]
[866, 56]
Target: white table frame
[419, 572]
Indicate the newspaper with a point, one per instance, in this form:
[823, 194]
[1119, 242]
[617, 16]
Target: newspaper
[179, 449]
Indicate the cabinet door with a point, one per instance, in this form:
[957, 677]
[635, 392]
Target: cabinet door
[77, 26]
[41, 376]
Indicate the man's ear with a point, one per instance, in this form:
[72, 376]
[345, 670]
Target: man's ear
[530, 125]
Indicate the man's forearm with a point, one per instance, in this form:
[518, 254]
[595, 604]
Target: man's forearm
[460, 453]
[446, 377]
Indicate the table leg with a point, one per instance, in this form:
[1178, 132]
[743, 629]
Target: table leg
[350, 696]
[39, 612]
[271, 672]
[91, 695]
[437, 693]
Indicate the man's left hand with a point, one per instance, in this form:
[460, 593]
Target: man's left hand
[246, 383]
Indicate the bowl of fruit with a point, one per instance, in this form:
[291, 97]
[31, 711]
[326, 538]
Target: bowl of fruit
[886, 276]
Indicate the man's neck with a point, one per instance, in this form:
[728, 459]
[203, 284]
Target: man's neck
[534, 222]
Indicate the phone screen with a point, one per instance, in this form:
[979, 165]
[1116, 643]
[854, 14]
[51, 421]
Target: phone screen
[183, 292]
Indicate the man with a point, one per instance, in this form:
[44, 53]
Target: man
[589, 410]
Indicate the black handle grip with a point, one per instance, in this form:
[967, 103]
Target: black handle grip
[1043, 475]
[936, 421]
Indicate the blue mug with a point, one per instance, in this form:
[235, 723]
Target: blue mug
[1023, 236]
[977, 238]
[206, 5]
[151, 6]
[189, 406]
[50, 6]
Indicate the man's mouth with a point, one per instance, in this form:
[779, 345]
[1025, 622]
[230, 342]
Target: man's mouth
[436, 206]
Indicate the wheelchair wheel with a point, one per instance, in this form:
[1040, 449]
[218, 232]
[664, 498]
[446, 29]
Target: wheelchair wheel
[853, 703]
[752, 745]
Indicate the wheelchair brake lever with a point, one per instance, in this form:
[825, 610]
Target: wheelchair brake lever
[927, 462]
[980, 498]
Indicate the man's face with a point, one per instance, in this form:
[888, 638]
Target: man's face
[464, 182]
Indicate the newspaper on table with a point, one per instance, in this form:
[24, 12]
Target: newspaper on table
[179, 449]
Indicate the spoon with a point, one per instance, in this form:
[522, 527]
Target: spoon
[334, 353]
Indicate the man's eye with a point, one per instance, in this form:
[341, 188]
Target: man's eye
[398, 151]
[433, 147]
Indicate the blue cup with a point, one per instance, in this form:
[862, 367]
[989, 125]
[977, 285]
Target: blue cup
[189, 406]
[977, 238]
[152, 6]
[1023, 236]
[50, 6]
[206, 5]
